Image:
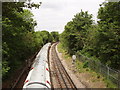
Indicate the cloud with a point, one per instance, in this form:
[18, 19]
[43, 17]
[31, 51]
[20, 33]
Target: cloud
[54, 4]
[51, 6]
[54, 14]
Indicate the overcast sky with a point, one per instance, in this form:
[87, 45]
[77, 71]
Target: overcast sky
[53, 15]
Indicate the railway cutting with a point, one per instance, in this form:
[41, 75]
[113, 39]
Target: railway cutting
[47, 61]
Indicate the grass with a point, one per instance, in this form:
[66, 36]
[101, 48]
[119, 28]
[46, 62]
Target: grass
[79, 65]
[80, 68]
[109, 84]
[60, 48]
[64, 52]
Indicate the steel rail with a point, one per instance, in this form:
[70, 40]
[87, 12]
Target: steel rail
[68, 74]
[65, 76]
[60, 84]
[61, 74]
[65, 72]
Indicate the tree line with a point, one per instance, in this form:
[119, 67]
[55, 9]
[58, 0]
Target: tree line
[100, 41]
[19, 40]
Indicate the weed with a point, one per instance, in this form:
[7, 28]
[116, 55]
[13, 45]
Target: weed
[109, 84]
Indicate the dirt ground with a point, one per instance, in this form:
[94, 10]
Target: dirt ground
[83, 79]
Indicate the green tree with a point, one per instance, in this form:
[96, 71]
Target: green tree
[46, 36]
[55, 36]
[73, 38]
[102, 40]
[109, 36]
[17, 28]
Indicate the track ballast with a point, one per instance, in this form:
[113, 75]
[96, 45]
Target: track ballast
[63, 78]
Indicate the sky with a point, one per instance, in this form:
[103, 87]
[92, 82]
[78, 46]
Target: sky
[53, 15]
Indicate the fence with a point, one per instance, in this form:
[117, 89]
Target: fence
[97, 66]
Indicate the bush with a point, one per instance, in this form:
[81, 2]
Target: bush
[85, 64]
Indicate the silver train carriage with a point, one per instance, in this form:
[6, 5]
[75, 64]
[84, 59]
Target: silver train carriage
[39, 76]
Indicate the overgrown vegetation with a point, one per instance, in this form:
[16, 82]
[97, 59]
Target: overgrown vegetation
[20, 41]
[55, 36]
[101, 41]
[82, 69]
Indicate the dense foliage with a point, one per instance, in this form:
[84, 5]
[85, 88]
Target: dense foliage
[55, 36]
[74, 36]
[101, 41]
[20, 41]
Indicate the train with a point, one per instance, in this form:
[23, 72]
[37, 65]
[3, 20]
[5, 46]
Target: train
[39, 75]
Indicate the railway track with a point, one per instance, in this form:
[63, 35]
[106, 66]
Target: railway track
[63, 78]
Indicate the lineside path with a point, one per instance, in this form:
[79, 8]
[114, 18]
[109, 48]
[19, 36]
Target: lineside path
[61, 77]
